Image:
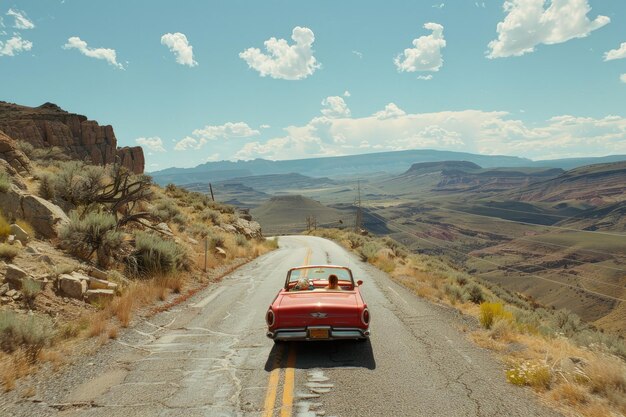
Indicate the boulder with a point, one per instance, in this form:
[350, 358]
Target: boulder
[72, 286]
[93, 295]
[98, 273]
[4, 288]
[45, 259]
[11, 293]
[250, 229]
[19, 233]
[14, 275]
[99, 284]
[45, 217]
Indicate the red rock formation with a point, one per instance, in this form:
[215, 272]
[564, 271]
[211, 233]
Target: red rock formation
[14, 157]
[49, 125]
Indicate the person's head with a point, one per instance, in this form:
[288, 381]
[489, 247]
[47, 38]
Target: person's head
[333, 280]
[303, 284]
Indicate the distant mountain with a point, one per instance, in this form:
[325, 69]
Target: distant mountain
[354, 165]
[338, 166]
[459, 176]
[279, 182]
[594, 185]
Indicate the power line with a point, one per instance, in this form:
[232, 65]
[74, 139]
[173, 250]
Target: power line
[499, 265]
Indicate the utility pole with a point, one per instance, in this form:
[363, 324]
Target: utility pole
[211, 189]
[359, 213]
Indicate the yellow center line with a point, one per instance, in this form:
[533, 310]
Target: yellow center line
[290, 373]
[272, 387]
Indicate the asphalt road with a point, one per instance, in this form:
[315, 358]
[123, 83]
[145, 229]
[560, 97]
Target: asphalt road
[210, 357]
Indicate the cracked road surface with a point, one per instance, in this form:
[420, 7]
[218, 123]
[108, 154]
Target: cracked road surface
[210, 357]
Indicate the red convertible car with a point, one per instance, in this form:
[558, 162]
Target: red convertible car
[318, 302]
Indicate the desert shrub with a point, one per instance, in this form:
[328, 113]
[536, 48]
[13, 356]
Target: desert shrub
[489, 312]
[165, 209]
[475, 294]
[536, 375]
[567, 322]
[154, 255]
[95, 232]
[606, 375]
[30, 290]
[271, 243]
[50, 155]
[608, 342]
[46, 187]
[5, 227]
[354, 241]
[78, 183]
[8, 252]
[461, 280]
[179, 219]
[25, 147]
[31, 333]
[200, 230]
[217, 240]
[210, 214]
[454, 293]
[240, 240]
[385, 264]
[368, 251]
[5, 181]
[501, 328]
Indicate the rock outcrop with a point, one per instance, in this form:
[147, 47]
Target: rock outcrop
[15, 158]
[48, 125]
[45, 217]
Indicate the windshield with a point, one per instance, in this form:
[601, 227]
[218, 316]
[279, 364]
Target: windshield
[321, 274]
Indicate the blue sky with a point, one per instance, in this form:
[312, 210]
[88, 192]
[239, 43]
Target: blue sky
[519, 77]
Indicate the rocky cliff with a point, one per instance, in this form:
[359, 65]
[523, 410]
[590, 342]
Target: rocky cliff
[49, 125]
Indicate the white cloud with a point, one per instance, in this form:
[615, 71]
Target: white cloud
[226, 131]
[284, 61]
[179, 45]
[358, 54]
[346, 93]
[439, 6]
[389, 112]
[213, 157]
[477, 4]
[21, 21]
[188, 143]
[623, 78]
[335, 106]
[426, 53]
[107, 54]
[477, 131]
[619, 53]
[425, 77]
[265, 126]
[527, 24]
[153, 143]
[14, 46]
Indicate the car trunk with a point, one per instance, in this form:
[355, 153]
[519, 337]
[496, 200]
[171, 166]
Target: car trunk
[313, 308]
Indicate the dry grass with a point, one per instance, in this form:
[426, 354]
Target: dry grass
[13, 367]
[98, 325]
[606, 375]
[122, 307]
[26, 227]
[112, 332]
[570, 393]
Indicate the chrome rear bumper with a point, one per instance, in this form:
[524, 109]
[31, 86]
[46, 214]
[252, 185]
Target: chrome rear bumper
[302, 334]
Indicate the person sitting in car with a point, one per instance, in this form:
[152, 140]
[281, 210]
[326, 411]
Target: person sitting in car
[303, 284]
[333, 282]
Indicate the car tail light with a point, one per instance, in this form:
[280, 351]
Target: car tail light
[269, 318]
[365, 317]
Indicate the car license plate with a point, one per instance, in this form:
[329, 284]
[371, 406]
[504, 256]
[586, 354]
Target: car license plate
[317, 333]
